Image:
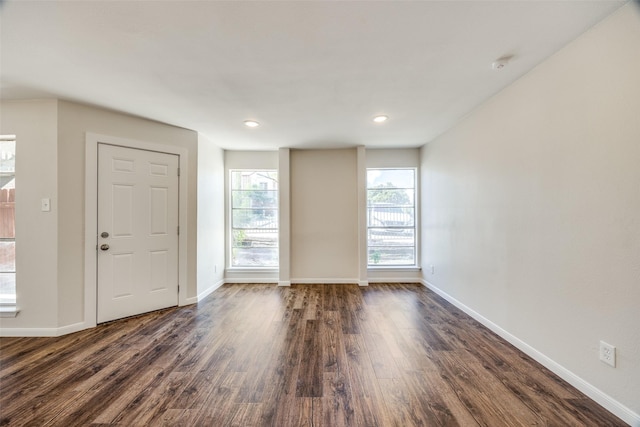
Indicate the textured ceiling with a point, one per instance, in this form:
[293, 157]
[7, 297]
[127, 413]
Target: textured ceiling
[312, 73]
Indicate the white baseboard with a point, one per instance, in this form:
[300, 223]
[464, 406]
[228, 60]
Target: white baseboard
[325, 281]
[45, 332]
[298, 281]
[251, 280]
[363, 283]
[80, 326]
[606, 401]
[395, 280]
[189, 301]
[202, 295]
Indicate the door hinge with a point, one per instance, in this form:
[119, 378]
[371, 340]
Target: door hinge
[178, 289]
[178, 230]
[178, 171]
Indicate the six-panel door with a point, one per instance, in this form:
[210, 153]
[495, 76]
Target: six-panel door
[137, 231]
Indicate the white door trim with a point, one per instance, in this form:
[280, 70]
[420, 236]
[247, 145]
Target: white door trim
[91, 216]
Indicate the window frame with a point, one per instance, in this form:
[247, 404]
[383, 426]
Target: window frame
[416, 223]
[231, 229]
[4, 303]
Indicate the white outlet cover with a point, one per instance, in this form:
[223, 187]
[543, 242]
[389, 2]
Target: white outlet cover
[45, 205]
[608, 354]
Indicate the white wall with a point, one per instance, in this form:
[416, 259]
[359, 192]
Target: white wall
[324, 216]
[284, 217]
[393, 158]
[50, 246]
[211, 231]
[74, 121]
[531, 208]
[35, 125]
[321, 235]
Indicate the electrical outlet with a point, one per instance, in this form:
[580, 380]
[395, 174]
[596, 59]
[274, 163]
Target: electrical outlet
[433, 269]
[608, 353]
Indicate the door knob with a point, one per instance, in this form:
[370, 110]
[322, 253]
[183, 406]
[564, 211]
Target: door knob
[104, 235]
[104, 247]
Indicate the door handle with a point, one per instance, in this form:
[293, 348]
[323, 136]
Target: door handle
[104, 247]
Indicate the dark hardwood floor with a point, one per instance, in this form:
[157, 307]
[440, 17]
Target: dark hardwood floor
[309, 355]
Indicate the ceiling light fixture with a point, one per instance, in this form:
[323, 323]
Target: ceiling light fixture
[380, 119]
[251, 123]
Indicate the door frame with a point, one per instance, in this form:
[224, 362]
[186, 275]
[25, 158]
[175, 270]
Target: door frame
[91, 216]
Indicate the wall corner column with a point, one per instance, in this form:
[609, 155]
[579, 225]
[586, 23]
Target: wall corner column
[284, 216]
[361, 170]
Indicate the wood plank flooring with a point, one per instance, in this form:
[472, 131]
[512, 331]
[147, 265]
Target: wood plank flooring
[308, 355]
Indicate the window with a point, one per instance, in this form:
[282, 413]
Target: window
[391, 212]
[254, 218]
[7, 219]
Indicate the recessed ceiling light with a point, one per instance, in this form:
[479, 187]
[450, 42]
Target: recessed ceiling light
[380, 119]
[251, 123]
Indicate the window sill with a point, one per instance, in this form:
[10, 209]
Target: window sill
[9, 311]
[395, 268]
[252, 269]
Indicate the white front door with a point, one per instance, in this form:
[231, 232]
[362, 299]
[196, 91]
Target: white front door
[137, 231]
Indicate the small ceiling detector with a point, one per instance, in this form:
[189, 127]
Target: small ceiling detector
[501, 62]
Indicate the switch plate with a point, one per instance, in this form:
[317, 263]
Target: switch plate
[45, 205]
[608, 353]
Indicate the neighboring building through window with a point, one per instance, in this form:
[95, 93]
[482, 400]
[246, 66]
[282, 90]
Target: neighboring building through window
[7, 219]
[391, 213]
[254, 218]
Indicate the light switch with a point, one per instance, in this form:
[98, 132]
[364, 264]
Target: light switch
[45, 205]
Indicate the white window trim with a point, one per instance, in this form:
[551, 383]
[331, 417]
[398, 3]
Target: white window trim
[416, 224]
[10, 309]
[246, 268]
